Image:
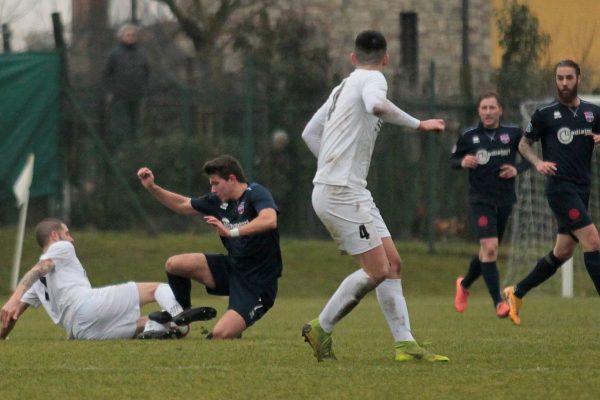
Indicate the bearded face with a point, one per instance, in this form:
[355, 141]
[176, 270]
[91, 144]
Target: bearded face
[567, 81]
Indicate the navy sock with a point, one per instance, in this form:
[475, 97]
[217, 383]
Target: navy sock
[473, 273]
[592, 264]
[544, 269]
[182, 289]
[491, 277]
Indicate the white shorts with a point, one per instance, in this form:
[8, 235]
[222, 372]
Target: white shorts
[111, 312]
[351, 217]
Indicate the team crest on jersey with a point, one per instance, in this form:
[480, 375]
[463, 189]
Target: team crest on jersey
[241, 207]
[557, 115]
[505, 138]
[475, 139]
[589, 116]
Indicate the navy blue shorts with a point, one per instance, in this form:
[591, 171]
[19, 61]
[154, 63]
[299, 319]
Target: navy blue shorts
[489, 221]
[242, 299]
[570, 207]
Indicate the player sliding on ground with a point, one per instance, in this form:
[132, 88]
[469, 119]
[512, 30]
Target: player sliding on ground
[342, 136]
[59, 283]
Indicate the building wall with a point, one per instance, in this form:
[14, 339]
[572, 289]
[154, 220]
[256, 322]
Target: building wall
[439, 36]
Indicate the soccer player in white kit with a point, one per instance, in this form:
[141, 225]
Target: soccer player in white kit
[59, 283]
[342, 136]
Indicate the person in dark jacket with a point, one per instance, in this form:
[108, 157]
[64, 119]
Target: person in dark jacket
[126, 75]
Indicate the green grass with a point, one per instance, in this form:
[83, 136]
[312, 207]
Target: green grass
[553, 355]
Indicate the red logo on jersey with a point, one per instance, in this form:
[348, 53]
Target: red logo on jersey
[241, 207]
[574, 214]
[483, 221]
[589, 116]
[505, 138]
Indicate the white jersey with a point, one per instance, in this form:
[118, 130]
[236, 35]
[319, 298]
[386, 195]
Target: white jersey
[349, 130]
[64, 289]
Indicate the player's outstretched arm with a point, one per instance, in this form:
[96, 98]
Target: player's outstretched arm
[432, 125]
[5, 331]
[12, 309]
[173, 201]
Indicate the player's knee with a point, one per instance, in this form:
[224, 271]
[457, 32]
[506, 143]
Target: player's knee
[563, 254]
[222, 333]
[172, 266]
[378, 275]
[591, 243]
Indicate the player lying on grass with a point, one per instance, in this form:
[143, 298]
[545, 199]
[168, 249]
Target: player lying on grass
[60, 284]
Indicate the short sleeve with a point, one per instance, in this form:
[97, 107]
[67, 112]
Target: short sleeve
[30, 296]
[535, 127]
[262, 199]
[59, 251]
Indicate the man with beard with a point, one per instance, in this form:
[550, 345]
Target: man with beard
[568, 130]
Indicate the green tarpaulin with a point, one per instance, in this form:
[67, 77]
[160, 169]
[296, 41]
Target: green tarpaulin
[29, 120]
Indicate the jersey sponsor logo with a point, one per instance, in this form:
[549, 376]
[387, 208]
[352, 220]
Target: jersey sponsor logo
[589, 116]
[476, 139]
[241, 207]
[557, 115]
[483, 221]
[505, 138]
[566, 135]
[484, 156]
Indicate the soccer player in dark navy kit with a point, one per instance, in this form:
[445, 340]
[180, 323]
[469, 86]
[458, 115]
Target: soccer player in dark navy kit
[568, 130]
[489, 152]
[245, 217]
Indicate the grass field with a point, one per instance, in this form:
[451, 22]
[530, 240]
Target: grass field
[553, 355]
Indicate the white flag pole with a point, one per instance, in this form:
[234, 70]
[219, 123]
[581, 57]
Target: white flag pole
[21, 189]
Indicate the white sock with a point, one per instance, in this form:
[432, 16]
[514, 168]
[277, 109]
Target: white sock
[346, 297]
[392, 303]
[166, 299]
[155, 326]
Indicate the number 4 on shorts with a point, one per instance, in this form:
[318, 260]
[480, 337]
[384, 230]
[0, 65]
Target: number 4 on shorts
[363, 233]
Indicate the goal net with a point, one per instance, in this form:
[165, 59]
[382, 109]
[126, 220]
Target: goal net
[533, 226]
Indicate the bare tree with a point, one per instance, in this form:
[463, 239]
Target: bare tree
[211, 25]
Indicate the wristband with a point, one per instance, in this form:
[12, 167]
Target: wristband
[235, 232]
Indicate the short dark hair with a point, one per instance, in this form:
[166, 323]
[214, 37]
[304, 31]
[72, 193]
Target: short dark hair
[224, 166]
[489, 95]
[370, 47]
[44, 229]
[568, 63]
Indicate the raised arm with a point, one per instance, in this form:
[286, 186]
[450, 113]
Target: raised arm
[173, 201]
[12, 309]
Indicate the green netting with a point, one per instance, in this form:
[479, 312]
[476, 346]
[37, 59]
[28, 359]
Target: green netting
[29, 120]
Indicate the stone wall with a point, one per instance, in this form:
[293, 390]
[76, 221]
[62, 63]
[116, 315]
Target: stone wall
[439, 37]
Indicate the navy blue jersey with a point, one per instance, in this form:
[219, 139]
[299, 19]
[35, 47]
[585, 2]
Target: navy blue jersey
[256, 257]
[565, 134]
[493, 148]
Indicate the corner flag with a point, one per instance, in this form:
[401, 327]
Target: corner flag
[23, 182]
[21, 190]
